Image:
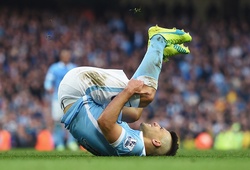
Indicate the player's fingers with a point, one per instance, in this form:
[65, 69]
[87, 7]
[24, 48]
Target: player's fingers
[139, 85]
[135, 84]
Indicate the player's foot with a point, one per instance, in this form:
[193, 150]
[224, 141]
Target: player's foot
[73, 146]
[60, 148]
[172, 36]
[174, 49]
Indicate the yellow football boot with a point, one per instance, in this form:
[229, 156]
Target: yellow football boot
[174, 49]
[172, 36]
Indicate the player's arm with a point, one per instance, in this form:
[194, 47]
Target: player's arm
[49, 79]
[131, 114]
[107, 121]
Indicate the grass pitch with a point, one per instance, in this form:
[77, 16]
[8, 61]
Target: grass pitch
[185, 159]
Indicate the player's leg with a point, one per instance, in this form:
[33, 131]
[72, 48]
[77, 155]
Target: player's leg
[58, 131]
[150, 67]
[160, 45]
[71, 142]
[148, 71]
[159, 50]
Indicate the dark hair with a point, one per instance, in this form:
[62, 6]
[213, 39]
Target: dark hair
[174, 145]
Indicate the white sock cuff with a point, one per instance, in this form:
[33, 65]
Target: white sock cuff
[149, 81]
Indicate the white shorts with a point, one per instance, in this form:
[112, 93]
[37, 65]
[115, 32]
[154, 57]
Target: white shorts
[56, 111]
[100, 84]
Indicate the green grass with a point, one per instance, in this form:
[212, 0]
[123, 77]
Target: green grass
[185, 159]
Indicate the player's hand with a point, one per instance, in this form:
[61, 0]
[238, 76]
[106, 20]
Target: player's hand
[135, 86]
[51, 91]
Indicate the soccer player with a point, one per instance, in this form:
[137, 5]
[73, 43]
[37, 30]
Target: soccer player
[53, 78]
[98, 103]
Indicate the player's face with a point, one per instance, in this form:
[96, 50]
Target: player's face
[65, 56]
[154, 130]
[157, 133]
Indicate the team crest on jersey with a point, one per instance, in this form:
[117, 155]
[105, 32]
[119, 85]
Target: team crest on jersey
[130, 143]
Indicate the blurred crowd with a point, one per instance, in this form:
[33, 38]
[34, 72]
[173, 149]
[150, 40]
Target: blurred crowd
[205, 91]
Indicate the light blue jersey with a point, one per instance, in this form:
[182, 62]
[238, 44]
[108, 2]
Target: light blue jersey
[81, 121]
[54, 76]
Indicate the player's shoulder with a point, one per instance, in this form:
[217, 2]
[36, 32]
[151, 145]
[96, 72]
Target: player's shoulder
[130, 142]
[73, 64]
[56, 64]
[53, 67]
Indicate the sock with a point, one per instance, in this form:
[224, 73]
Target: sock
[150, 67]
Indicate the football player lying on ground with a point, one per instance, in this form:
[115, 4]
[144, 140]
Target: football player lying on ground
[98, 103]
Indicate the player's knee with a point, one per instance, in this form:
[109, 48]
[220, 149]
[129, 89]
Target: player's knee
[147, 98]
[152, 95]
[150, 98]
[133, 118]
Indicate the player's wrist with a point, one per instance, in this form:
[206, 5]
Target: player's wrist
[129, 91]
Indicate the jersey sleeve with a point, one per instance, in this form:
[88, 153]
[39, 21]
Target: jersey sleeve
[130, 143]
[49, 78]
